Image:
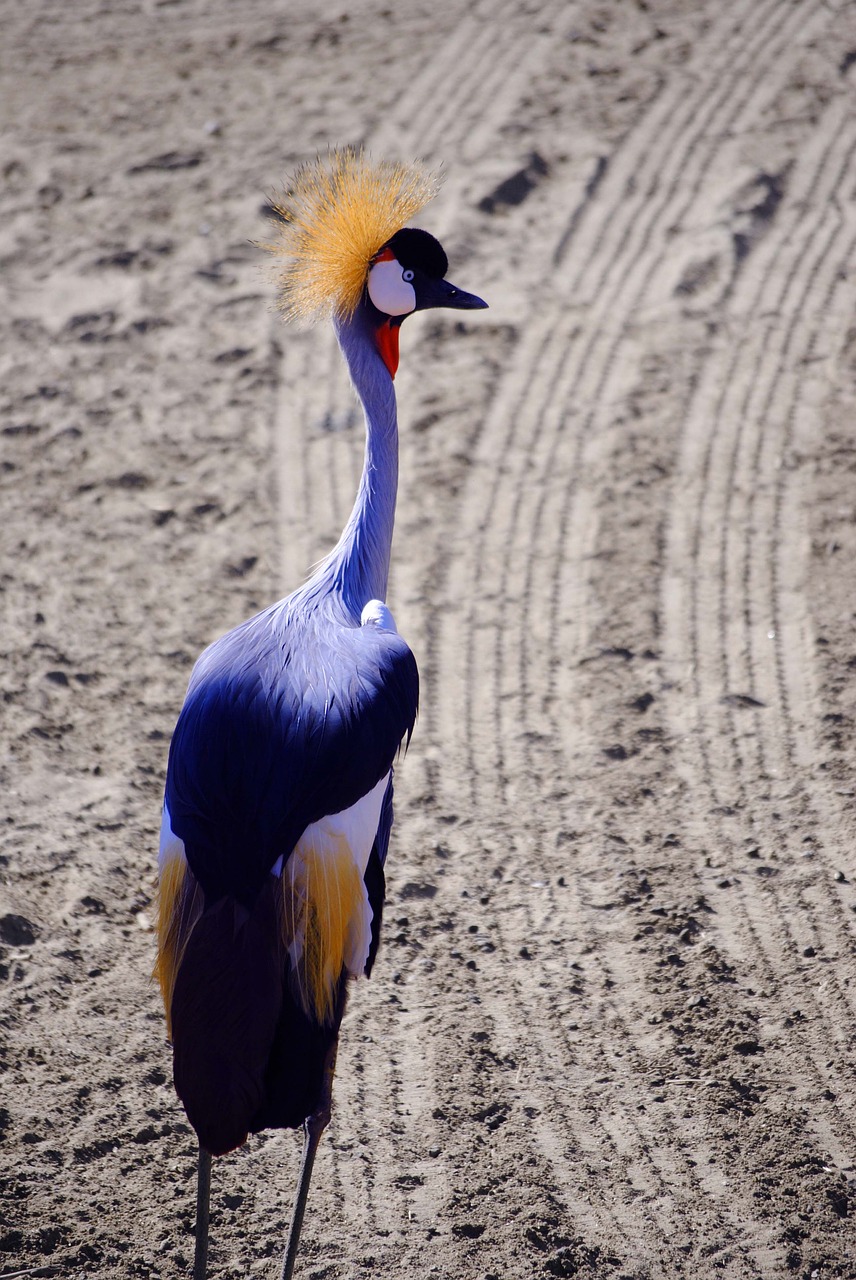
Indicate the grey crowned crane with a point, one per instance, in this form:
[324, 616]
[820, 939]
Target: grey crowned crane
[278, 803]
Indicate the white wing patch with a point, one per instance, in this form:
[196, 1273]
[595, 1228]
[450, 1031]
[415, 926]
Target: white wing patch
[357, 825]
[322, 844]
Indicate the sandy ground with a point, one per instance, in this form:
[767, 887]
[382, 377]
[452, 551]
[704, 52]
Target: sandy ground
[611, 1032]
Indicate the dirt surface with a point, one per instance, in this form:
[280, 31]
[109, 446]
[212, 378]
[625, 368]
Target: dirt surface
[611, 1031]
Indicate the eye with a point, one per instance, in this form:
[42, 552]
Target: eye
[407, 275]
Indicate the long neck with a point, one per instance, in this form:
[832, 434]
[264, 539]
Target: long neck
[358, 567]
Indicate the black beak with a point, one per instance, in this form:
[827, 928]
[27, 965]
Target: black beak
[442, 293]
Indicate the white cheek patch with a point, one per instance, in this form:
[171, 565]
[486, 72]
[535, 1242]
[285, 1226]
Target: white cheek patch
[388, 291]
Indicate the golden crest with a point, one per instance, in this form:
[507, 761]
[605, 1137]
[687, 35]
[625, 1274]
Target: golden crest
[337, 212]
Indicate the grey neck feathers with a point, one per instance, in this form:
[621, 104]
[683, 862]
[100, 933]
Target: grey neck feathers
[357, 569]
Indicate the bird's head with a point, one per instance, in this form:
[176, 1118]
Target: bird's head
[409, 274]
[346, 246]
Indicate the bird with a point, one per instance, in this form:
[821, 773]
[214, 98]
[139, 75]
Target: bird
[278, 797]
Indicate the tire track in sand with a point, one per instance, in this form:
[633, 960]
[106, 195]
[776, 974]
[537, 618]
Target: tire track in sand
[498, 777]
[551, 370]
[555, 355]
[737, 528]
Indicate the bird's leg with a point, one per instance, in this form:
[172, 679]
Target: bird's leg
[203, 1191]
[313, 1127]
[312, 1136]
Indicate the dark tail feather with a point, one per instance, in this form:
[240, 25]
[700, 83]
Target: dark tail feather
[376, 886]
[296, 1067]
[374, 877]
[226, 1005]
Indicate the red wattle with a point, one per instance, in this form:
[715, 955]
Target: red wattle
[387, 345]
